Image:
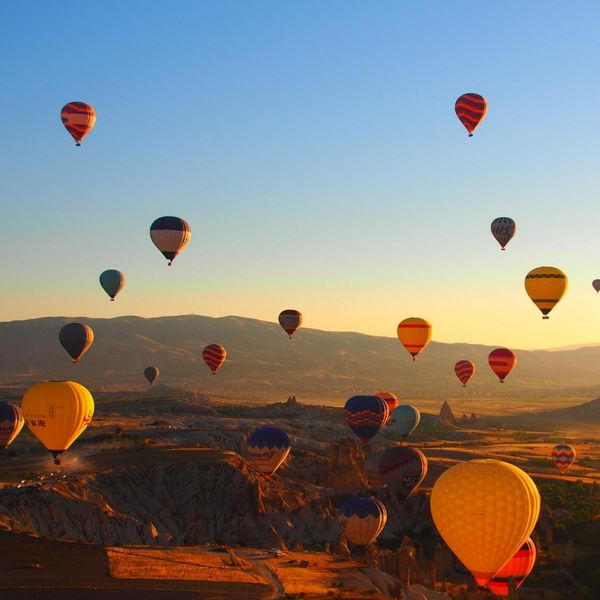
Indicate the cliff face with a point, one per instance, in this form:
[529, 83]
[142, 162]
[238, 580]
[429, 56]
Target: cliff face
[221, 501]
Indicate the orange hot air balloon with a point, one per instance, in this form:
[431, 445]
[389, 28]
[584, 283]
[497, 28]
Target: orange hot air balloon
[390, 399]
[484, 510]
[464, 370]
[545, 286]
[471, 110]
[290, 320]
[79, 119]
[502, 361]
[518, 567]
[214, 356]
[414, 334]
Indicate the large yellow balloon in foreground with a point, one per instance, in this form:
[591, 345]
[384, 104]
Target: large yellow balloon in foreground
[485, 510]
[57, 413]
[546, 286]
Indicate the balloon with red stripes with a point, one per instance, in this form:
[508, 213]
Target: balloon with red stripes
[471, 110]
[366, 415]
[290, 320]
[464, 370]
[79, 119]
[214, 356]
[502, 361]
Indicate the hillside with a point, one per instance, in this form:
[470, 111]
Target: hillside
[262, 361]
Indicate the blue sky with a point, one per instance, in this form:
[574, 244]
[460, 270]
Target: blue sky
[314, 150]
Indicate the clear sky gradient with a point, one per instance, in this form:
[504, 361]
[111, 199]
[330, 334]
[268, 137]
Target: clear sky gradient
[314, 150]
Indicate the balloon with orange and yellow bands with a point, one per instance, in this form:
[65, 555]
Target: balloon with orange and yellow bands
[546, 286]
[414, 334]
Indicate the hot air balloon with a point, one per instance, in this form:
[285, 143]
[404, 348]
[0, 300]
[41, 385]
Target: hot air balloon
[11, 423]
[517, 568]
[112, 282]
[545, 286]
[403, 469]
[464, 370]
[362, 519]
[404, 420]
[371, 469]
[503, 229]
[170, 235]
[268, 447]
[563, 456]
[390, 399]
[79, 119]
[151, 374]
[471, 110]
[502, 361]
[366, 415]
[596, 285]
[484, 510]
[214, 356]
[414, 334]
[290, 320]
[57, 413]
[76, 338]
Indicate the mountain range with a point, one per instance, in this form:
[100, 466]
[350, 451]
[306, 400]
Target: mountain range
[263, 362]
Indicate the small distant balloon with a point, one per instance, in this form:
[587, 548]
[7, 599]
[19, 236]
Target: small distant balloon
[79, 119]
[414, 334]
[11, 423]
[545, 287]
[151, 374]
[464, 370]
[405, 420]
[471, 110]
[268, 447]
[563, 456]
[214, 356]
[362, 519]
[170, 235]
[366, 415]
[596, 285]
[76, 338]
[112, 282]
[290, 320]
[502, 361]
[503, 229]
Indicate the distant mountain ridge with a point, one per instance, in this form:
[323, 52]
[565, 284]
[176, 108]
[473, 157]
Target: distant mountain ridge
[262, 361]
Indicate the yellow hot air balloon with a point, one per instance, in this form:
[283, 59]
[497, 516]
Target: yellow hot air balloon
[485, 509]
[414, 334]
[546, 286]
[57, 413]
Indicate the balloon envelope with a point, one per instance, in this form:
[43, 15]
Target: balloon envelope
[503, 229]
[268, 447]
[112, 282]
[76, 338]
[11, 423]
[471, 110]
[545, 286]
[403, 469]
[366, 415]
[464, 370]
[362, 519]
[414, 334]
[170, 235]
[57, 413]
[290, 320]
[596, 285]
[502, 361]
[390, 399]
[518, 567]
[563, 456]
[151, 374]
[214, 356]
[79, 119]
[484, 510]
[404, 420]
